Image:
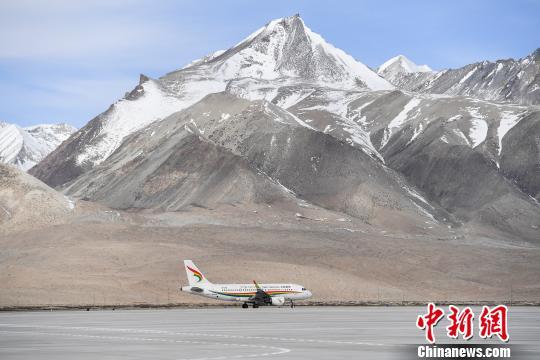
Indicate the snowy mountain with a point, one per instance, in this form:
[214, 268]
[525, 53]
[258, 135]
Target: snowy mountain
[400, 66]
[285, 50]
[399, 70]
[283, 115]
[25, 147]
[513, 81]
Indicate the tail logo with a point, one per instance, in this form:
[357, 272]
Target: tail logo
[196, 273]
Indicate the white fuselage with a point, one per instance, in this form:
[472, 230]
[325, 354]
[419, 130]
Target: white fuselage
[243, 292]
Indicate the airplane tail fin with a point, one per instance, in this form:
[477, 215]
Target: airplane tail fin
[194, 275]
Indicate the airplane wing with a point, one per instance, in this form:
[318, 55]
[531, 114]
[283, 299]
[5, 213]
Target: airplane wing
[261, 297]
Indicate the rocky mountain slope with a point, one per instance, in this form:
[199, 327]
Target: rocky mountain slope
[230, 150]
[28, 203]
[457, 151]
[509, 80]
[25, 147]
[290, 116]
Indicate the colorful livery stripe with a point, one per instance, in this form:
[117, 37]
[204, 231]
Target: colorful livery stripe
[252, 293]
[196, 273]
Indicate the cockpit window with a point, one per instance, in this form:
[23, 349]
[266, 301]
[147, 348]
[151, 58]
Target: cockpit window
[303, 289]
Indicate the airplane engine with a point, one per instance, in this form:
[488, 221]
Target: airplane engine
[278, 301]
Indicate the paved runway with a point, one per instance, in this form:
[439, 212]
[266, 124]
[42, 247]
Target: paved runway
[233, 333]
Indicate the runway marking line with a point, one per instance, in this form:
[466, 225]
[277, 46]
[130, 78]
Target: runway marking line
[277, 350]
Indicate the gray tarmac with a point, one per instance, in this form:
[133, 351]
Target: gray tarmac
[235, 333]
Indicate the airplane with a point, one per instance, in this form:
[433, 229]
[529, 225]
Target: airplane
[256, 294]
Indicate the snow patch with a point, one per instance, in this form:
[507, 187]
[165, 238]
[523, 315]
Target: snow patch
[454, 118]
[70, 202]
[128, 116]
[479, 127]
[508, 120]
[478, 131]
[399, 120]
[224, 116]
[417, 131]
[469, 74]
[402, 116]
[417, 196]
[461, 135]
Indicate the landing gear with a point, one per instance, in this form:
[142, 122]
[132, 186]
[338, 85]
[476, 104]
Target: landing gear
[292, 304]
[245, 305]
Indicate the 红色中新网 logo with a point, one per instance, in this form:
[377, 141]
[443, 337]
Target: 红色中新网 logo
[492, 321]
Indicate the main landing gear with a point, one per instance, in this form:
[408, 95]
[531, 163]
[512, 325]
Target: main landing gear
[245, 306]
[292, 304]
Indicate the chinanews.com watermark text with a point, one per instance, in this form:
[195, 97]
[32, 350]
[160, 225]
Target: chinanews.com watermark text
[464, 351]
[492, 323]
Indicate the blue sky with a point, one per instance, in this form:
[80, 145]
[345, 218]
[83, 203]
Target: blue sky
[68, 60]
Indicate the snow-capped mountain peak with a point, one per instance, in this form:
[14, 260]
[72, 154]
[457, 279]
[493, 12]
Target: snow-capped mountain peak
[402, 65]
[286, 47]
[284, 52]
[25, 147]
